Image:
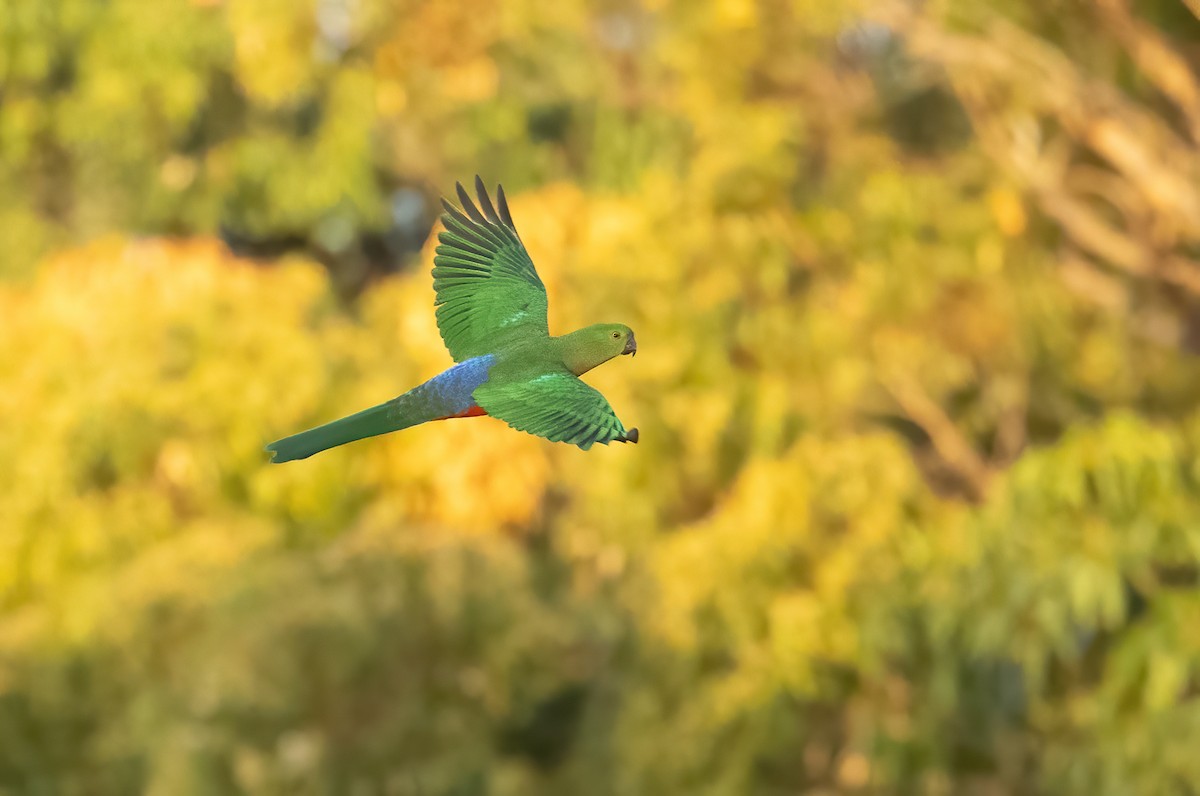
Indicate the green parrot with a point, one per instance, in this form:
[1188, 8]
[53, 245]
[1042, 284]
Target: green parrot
[491, 312]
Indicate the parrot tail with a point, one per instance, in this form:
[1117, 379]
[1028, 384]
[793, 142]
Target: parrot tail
[367, 423]
[445, 395]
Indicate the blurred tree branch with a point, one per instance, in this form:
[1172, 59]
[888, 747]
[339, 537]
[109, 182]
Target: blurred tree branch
[1119, 175]
[951, 445]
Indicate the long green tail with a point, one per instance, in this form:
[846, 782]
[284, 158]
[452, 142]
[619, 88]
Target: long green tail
[445, 395]
[367, 423]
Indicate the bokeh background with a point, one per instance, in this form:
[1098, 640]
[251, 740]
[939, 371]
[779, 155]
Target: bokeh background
[917, 503]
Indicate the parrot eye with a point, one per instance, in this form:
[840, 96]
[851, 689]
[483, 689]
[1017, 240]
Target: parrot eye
[616, 335]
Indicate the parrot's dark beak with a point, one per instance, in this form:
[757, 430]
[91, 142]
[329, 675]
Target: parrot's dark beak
[630, 345]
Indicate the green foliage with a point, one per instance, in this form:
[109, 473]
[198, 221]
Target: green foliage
[914, 507]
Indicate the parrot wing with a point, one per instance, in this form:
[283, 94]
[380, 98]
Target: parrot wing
[557, 406]
[487, 289]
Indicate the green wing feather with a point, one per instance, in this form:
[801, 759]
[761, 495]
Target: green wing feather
[557, 406]
[488, 291]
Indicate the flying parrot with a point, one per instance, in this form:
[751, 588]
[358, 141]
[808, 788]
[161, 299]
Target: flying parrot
[491, 312]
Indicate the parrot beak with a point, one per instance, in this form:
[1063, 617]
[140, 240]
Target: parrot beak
[630, 345]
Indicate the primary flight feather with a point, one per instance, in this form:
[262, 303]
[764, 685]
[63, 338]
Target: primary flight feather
[491, 312]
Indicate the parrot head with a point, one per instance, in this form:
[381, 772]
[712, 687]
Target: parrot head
[593, 345]
[619, 338]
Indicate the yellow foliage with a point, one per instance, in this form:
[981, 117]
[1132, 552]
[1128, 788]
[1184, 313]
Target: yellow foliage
[148, 375]
[272, 40]
[897, 476]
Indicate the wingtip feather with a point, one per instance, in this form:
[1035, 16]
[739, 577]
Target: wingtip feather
[505, 216]
[485, 202]
[465, 200]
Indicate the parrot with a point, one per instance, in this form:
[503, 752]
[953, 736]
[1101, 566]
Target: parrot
[491, 311]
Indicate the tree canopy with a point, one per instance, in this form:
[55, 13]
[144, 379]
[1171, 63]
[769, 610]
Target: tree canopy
[916, 507]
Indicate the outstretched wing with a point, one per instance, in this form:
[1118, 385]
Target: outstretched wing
[487, 289]
[557, 406]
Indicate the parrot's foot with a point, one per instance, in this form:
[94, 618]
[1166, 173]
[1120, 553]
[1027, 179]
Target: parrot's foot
[630, 436]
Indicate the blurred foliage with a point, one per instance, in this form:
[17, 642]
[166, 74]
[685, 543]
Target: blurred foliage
[917, 503]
